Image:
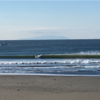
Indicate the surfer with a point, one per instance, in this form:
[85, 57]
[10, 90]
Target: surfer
[3, 44]
[37, 56]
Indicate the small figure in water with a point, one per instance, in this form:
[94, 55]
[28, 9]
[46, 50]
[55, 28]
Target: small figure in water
[3, 44]
[37, 56]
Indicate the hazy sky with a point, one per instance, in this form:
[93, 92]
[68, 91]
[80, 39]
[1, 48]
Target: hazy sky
[30, 19]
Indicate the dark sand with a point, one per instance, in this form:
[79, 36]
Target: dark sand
[16, 87]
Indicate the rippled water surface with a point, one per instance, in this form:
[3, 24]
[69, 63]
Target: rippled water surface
[36, 47]
[50, 66]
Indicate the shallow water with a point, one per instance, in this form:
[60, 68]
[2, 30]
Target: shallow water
[50, 66]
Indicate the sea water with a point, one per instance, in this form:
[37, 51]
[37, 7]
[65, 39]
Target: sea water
[65, 67]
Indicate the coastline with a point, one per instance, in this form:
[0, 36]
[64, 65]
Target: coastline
[33, 87]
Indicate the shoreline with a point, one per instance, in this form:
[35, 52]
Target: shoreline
[29, 87]
[49, 75]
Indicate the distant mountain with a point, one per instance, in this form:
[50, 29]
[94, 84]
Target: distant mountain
[48, 37]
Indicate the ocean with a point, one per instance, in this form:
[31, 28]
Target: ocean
[61, 67]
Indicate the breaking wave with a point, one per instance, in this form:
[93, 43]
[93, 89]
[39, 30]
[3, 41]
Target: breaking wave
[51, 66]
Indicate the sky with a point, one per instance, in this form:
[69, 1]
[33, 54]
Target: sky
[49, 19]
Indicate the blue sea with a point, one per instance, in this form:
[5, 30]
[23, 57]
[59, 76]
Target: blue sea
[56, 67]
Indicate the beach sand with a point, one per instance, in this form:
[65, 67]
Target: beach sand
[16, 87]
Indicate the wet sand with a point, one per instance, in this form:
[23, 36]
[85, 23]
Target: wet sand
[16, 87]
